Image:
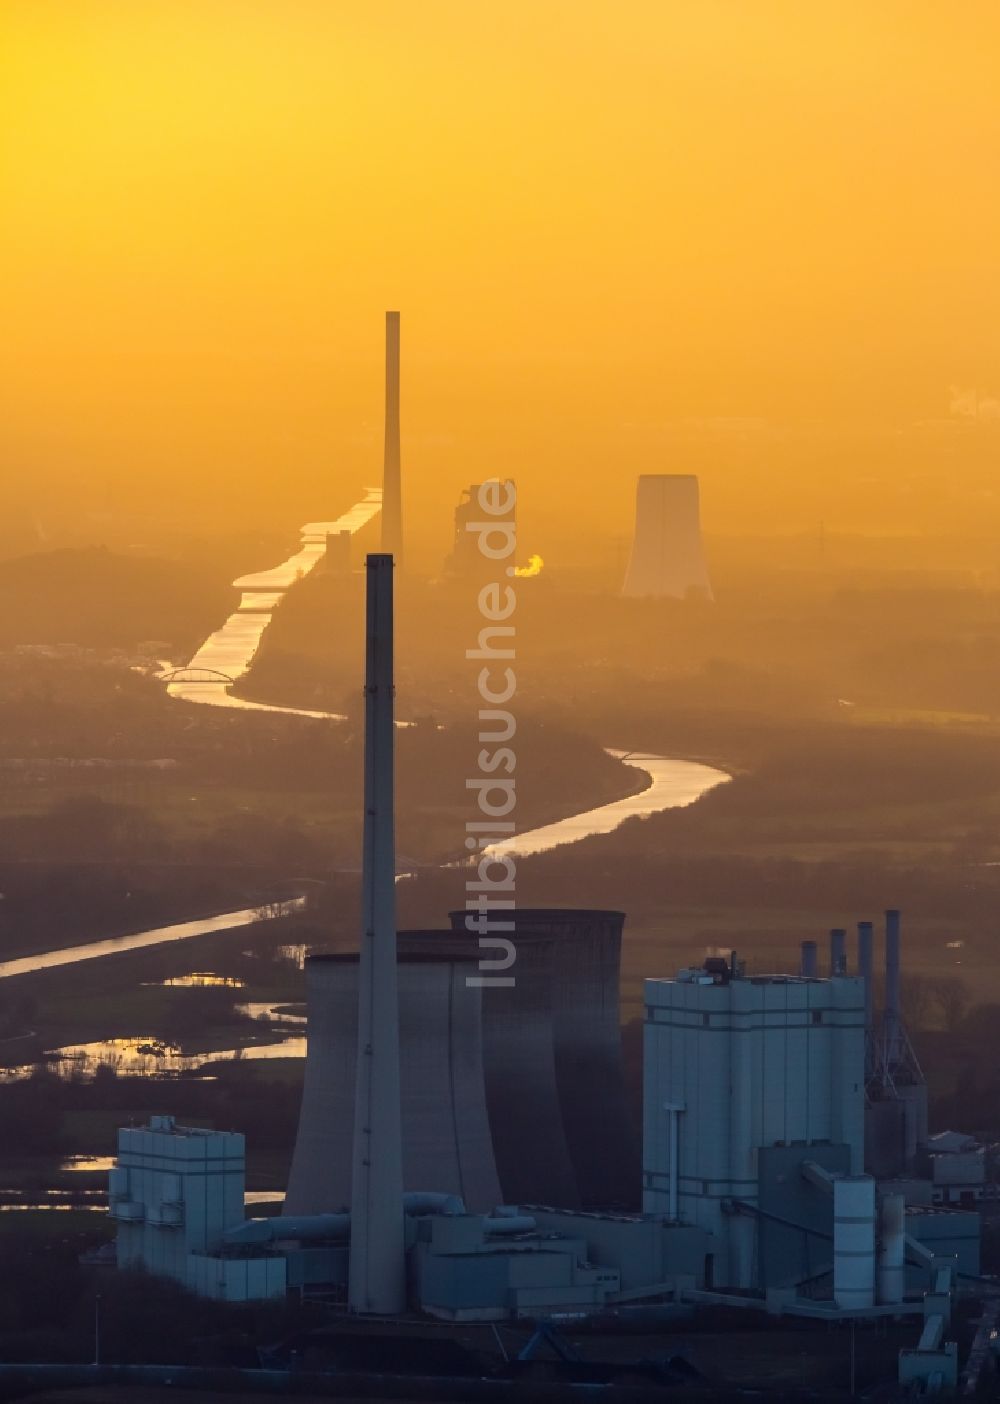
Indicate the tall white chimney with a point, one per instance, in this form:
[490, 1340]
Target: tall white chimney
[377, 1276]
[392, 507]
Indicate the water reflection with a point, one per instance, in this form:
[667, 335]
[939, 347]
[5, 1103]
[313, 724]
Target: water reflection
[50, 1208]
[147, 1057]
[673, 785]
[137, 940]
[268, 1013]
[199, 979]
[231, 649]
[96, 1201]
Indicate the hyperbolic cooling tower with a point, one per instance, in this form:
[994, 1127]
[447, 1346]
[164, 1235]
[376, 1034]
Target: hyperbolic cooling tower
[667, 557]
[555, 1085]
[392, 508]
[446, 1134]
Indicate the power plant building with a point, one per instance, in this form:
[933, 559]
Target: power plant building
[667, 561]
[174, 1192]
[466, 561]
[733, 1068]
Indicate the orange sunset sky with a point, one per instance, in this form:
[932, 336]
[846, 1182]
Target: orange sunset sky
[756, 239]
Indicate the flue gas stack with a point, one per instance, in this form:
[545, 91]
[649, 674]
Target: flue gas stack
[377, 1277]
[392, 506]
[866, 969]
[893, 994]
[838, 951]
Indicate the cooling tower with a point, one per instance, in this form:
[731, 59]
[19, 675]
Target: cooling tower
[446, 1135]
[532, 1153]
[667, 558]
[392, 507]
[553, 1063]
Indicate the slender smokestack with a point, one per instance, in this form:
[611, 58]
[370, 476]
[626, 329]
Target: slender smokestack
[808, 964]
[865, 943]
[838, 951]
[377, 1278]
[392, 509]
[893, 997]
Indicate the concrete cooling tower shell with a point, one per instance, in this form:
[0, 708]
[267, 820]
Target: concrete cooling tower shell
[532, 1153]
[320, 1177]
[554, 1074]
[667, 559]
[446, 1135]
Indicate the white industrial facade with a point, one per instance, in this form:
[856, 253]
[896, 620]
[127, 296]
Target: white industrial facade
[732, 1065]
[174, 1191]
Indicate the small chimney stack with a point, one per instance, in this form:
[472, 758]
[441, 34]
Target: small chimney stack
[809, 964]
[865, 949]
[838, 951]
[893, 989]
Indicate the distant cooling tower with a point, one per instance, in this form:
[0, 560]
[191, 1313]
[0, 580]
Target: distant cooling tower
[555, 1083]
[667, 558]
[446, 1134]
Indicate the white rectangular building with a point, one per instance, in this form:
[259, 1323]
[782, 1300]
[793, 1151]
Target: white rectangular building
[174, 1191]
[732, 1065]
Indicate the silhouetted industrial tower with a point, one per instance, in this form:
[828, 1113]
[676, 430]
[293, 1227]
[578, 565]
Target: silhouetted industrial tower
[895, 1064]
[377, 1275]
[392, 508]
[667, 559]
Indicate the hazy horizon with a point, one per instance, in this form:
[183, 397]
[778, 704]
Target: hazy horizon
[752, 242]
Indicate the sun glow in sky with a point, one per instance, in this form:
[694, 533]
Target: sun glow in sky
[755, 239]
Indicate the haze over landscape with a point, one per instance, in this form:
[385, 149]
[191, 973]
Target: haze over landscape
[752, 241]
[732, 262]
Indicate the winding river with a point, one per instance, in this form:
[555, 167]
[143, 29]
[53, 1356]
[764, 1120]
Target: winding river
[226, 656]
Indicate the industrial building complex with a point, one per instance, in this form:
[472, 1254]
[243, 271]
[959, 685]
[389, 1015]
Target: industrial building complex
[465, 1151]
